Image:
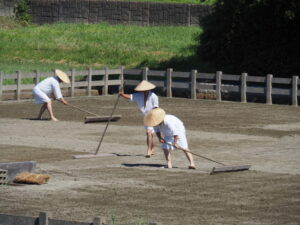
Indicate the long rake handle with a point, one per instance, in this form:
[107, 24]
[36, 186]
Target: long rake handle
[109, 119]
[201, 156]
[82, 110]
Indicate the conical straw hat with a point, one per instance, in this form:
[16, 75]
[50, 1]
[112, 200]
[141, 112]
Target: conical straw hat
[63, 76]
[154, 117]
[144, 86]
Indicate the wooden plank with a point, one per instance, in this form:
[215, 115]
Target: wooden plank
[280, 91]
[98, 72]
[91, 119]
[206, 86]
[81, 84]
[269, 89]
[27, 86]
[229, 169]
[209, 76]
[113, 71]
[145, 73]
[256, 90]
[89, 81]
[157, 73]
[134, 82]
[133, 72]
[169, 82]
[244, 87]
[230, 88]
[157, 83]
[181, 75]
[294, 91]
[19, 79]
[184, 85]
[229, 77]
[278, 80]
[194, 84]
[256, 79]
[219, 85]
[98, 83]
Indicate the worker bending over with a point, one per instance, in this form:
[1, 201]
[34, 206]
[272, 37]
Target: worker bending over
[146, 100]
[43, 91]
[173, 132]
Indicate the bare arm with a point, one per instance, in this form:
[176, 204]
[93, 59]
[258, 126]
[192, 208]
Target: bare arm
[127, 96]
[161, 140]
[62, 100]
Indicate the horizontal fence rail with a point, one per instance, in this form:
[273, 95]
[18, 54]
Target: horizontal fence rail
[44, 219]
[194, 84]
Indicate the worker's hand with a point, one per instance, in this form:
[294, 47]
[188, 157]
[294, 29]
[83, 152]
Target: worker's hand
[176, 145]
[161, 140]
[64, 101]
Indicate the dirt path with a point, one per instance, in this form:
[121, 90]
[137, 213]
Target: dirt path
[129, 186]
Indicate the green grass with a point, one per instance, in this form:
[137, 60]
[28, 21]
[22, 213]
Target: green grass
[66, 46]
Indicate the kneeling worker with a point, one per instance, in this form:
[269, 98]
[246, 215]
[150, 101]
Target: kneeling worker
[50, 86]
[173, 132]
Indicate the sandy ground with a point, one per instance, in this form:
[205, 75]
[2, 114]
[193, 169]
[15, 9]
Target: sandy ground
[133, 188]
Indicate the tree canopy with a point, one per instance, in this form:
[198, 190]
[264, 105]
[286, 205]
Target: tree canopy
[255, 36]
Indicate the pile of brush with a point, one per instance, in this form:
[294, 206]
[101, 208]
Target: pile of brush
[31, 178]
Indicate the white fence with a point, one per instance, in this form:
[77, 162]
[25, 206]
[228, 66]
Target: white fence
[191, 82]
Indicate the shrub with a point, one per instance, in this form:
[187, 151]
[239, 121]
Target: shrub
[22, 10]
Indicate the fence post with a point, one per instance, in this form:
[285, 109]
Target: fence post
[295, 91]
[105, 87]
[122, 78]
[194, 84]
[218, 85]
[244, 87]
[145, 73]
[72, 82]
[1, 84]
[19, 77]
[37, 77]
[43, 218]
[99, 221]
[269, 89]
[89, 80]
[169, 82]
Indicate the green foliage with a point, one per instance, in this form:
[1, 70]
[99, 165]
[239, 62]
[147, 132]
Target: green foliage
[254, 36]
[97, 45]
[22, 10]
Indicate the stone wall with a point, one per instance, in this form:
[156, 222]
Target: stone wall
[114, 12]
[7, 7]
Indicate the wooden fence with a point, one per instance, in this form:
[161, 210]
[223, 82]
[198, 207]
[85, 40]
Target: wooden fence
[191, 83]
[43, 219]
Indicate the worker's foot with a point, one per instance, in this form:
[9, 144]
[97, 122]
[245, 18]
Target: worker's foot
[54, 119]
[192, 167]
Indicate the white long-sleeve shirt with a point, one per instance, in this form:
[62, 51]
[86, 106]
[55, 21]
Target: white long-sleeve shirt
[50, 85]
[151, 102]
[171, 126]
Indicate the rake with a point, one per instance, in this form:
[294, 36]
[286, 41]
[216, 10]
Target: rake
[95, 117]
[221, 169]
[100, 142]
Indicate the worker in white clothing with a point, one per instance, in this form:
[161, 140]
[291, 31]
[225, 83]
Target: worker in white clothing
[146, 100]
[173, 132]
[43, 91]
